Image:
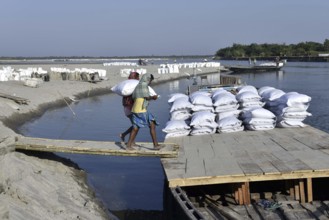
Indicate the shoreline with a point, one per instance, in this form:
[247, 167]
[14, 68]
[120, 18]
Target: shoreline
[43, 188]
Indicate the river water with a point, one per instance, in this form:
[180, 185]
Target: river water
[133, 187]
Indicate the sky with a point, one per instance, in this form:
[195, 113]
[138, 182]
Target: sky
[152, 27]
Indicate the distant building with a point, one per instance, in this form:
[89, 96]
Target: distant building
[323, 55]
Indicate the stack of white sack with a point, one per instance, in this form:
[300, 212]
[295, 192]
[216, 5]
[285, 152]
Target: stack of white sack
[258, 118]
[248, 97]
[8, 73]
[229, 124]
[290, 109]
[176, 128]
[201, 101]
[180, 107]
[126, 72]
[270, 95]
[203, 122]
[180, 115]
[225, 104]
[127, 87]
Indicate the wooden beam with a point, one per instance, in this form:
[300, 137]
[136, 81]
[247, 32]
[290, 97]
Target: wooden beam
[302, 190]
[309, 190]
[236, 192]
[240, 195]
[297, 195]
[247, 193]
[95, 147]
[291, 188]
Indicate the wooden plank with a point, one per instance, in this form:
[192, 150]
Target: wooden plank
[195, 168]
[221, 166]
[264, 163]
[174, 168]
[246, 163]
[247, 193]
[302, 191]
[277, 163]
[310, 136]
[286, 142]
[16, 99]
[240, 193]
[295, 164]
[309, 189]
[314, 159]
[291, 188]
[94, 147]
[297, 192]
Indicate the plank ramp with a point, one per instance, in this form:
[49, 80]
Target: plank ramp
[278, 154]
[94, 147]
[16, 99]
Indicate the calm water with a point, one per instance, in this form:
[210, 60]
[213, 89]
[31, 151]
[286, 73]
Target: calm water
[131, 185]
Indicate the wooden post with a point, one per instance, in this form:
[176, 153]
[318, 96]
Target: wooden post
[297, 197]
[247, 193]
[291, 188]
[302, 191]
[236, 192]
[240, 195]
[309, 190]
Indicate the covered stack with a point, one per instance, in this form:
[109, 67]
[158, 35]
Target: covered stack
[289, 108]
[226, 109]
[203, 118]
[248, 97]
[258, 118]
[180, 115]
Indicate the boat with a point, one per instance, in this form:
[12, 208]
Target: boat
[227, 82]
[263, 67]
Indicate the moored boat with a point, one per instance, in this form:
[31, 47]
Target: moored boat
[264, 67]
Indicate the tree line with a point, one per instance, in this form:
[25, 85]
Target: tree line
[302, 49]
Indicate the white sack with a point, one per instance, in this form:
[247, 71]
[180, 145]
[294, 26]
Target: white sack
[199, 117]
[126, 87]
[263, 89]
[178, 134]
[181, 104]
[257, 113]
[201, 99]
[247, 96]
[177, 125]
[180, 115]
[247, 88]
[175, 96]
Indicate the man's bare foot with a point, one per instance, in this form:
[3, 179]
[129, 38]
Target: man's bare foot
[130, 148]
[122, 137]
[159, 146]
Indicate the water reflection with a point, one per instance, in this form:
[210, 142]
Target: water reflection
[279, 75]
[173, 86]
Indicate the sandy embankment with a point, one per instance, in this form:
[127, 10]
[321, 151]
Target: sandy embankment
[34, 188]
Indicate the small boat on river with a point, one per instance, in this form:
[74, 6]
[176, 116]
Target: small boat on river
[263, 67]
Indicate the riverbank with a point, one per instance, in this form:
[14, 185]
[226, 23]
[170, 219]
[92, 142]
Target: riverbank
[35, 188]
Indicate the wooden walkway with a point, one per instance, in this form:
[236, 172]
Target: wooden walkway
[16, 99]
[296, 154]
[94, 147]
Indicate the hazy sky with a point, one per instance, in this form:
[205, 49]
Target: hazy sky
[152, 27]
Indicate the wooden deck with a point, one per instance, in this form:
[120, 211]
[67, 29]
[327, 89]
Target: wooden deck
[295, 154]
[94, 147]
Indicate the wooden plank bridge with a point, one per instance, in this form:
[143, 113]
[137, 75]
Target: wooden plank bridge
[295, 155]
[94, 147]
